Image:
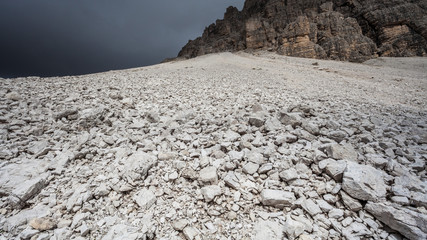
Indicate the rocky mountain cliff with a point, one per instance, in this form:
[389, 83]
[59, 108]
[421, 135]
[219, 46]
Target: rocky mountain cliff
[349, 30]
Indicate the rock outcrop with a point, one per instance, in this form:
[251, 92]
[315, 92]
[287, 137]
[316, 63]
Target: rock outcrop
[348, 30]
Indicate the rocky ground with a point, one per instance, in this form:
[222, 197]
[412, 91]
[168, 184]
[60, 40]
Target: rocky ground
[224, 146]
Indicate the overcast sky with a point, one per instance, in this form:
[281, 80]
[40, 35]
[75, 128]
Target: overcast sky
[69, 37]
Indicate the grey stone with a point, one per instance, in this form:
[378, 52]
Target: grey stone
[350, 203]
[347, 221]
[91, 117]
[285, 138]
[371, 223]
[410, 182]
[66, 114]
[311, 207]
[272, 124]
[180, 224]
[338, 136]
[256, 121]
[333, 168]
[326, 207]
[363, 182]
[255, 157]
[234, 155]
[293, 119]
[190, 233]
[250, 168]
[265, 168]
[123, 232]
[356, 231]
[152, 117]
[310, 127]
[377, 160]
[277, 198]
[79, 218]
[289, 175]
[102, 190]
[62, 233]
[419, 199]
[208, 176]
[27, 190]
[26, 215]
[341, 152]
[145, 198]
[293, 229]
[231, 180]
[267, 230]
[39, 148]
[64, 223]
[210, 192]
[28, 233]
[84, 230]
[136, 166]
[336, 213]
[189, 173]
[231, 136]
[400, 200]
[165, 156]
[81, 194]
[409, 223]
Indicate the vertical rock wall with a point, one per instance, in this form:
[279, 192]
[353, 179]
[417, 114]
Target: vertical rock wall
[347, 30]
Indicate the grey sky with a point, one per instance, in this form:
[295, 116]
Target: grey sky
[64, 37]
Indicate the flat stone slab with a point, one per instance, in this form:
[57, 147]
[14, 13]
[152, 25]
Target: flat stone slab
[363, 182]
[277, 198]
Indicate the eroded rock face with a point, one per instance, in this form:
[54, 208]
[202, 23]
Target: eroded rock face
[340, 29]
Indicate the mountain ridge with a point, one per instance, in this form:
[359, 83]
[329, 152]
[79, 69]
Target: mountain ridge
[348, 30]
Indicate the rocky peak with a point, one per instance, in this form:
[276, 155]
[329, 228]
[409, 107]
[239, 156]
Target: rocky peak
[349, 30]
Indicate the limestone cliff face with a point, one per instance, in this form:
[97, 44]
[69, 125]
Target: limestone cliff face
[349, 30]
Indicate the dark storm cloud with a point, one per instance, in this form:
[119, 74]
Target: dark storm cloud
[64, 37]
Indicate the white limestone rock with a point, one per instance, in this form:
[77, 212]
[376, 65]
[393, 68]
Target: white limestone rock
[277, 198]
[136, 166]
[250, 168]
[208, 176]
[145, 198]
[333, 168]
[27, 190]
[268, 230]
[123, 231]
[180, 224]
[311, 207]
[409, 223]
[289, 175]
[293, 229]
[210, 192]
[363, 182]
[191, 233]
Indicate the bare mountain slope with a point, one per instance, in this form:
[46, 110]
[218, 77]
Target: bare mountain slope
[221, 146]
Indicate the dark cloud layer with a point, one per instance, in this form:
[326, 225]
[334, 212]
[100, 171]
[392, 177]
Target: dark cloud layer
[62, 37]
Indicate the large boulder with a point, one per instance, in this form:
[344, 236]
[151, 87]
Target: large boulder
[409, 223]
[136, 166]
[363, 182]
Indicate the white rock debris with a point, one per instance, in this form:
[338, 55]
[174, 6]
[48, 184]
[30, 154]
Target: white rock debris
[223, 146]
